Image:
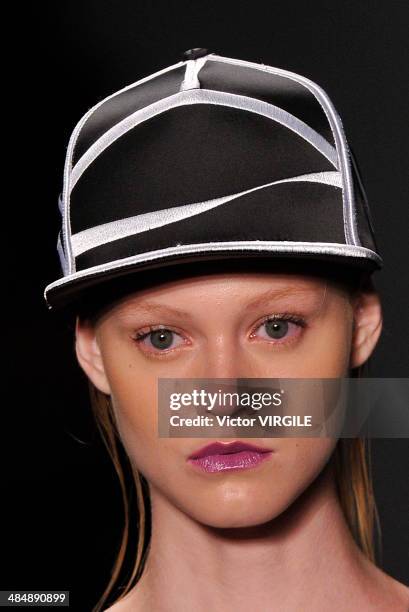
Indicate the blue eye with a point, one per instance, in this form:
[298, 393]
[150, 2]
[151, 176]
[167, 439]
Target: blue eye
[276, 329]
[280, 326]
[160, 339]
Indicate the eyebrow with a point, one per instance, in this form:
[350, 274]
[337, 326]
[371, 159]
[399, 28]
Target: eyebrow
[288, 291]
[269, 295]
[152, 308]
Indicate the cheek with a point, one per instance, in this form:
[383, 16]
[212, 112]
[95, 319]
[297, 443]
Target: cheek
[134, 397]
[328, 355]
[134, 401]
[299, 461]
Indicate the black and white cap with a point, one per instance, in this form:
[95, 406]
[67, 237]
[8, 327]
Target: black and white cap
[212, 157]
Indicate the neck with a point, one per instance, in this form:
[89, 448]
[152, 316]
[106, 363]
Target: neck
[307, 554]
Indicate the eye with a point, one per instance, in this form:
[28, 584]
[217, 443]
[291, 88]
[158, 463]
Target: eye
[277, 327]
[160, 338]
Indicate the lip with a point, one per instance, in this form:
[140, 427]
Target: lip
[219, 457]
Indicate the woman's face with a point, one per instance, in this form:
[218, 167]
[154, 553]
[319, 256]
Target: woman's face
[215, 327]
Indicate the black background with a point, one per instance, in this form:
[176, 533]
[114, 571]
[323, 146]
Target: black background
[61, 512]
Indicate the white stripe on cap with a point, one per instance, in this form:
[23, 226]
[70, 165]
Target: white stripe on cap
[204, 96]
[108, 232]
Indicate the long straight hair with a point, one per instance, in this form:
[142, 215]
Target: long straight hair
[352, 463]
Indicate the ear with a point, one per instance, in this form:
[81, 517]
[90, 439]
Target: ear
[89, 355]
[367, 327]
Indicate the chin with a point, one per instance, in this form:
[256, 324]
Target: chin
[237, 506]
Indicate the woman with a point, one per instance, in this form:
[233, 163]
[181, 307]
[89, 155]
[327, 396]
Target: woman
[215, 226]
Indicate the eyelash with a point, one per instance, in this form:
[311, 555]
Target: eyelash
[292, 318]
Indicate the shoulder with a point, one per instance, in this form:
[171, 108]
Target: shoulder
[132, 602]
[393, 594]
[123, 605]
[402, 595]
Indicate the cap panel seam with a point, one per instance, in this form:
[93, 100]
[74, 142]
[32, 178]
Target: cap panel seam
[191, 80]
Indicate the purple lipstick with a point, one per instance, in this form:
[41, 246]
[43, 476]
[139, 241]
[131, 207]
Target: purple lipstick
[219, 457]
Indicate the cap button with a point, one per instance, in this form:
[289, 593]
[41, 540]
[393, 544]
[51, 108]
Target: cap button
[192, 54]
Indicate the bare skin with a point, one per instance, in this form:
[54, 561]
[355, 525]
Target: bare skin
[270, 538]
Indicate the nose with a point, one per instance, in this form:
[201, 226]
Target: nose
[224, 357]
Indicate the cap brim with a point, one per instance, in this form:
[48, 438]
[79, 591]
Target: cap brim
[70, 293]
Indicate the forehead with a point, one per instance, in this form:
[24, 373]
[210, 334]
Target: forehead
[245, 288]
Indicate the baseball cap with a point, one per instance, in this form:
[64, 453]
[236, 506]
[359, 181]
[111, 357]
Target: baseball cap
[211, 158]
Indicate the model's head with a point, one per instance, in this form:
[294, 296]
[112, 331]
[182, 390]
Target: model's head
[214, 225]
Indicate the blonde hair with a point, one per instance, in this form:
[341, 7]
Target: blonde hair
[352, 474]
[353, 477]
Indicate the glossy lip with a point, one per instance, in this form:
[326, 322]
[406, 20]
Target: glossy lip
[219, 457]
[225, 448]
